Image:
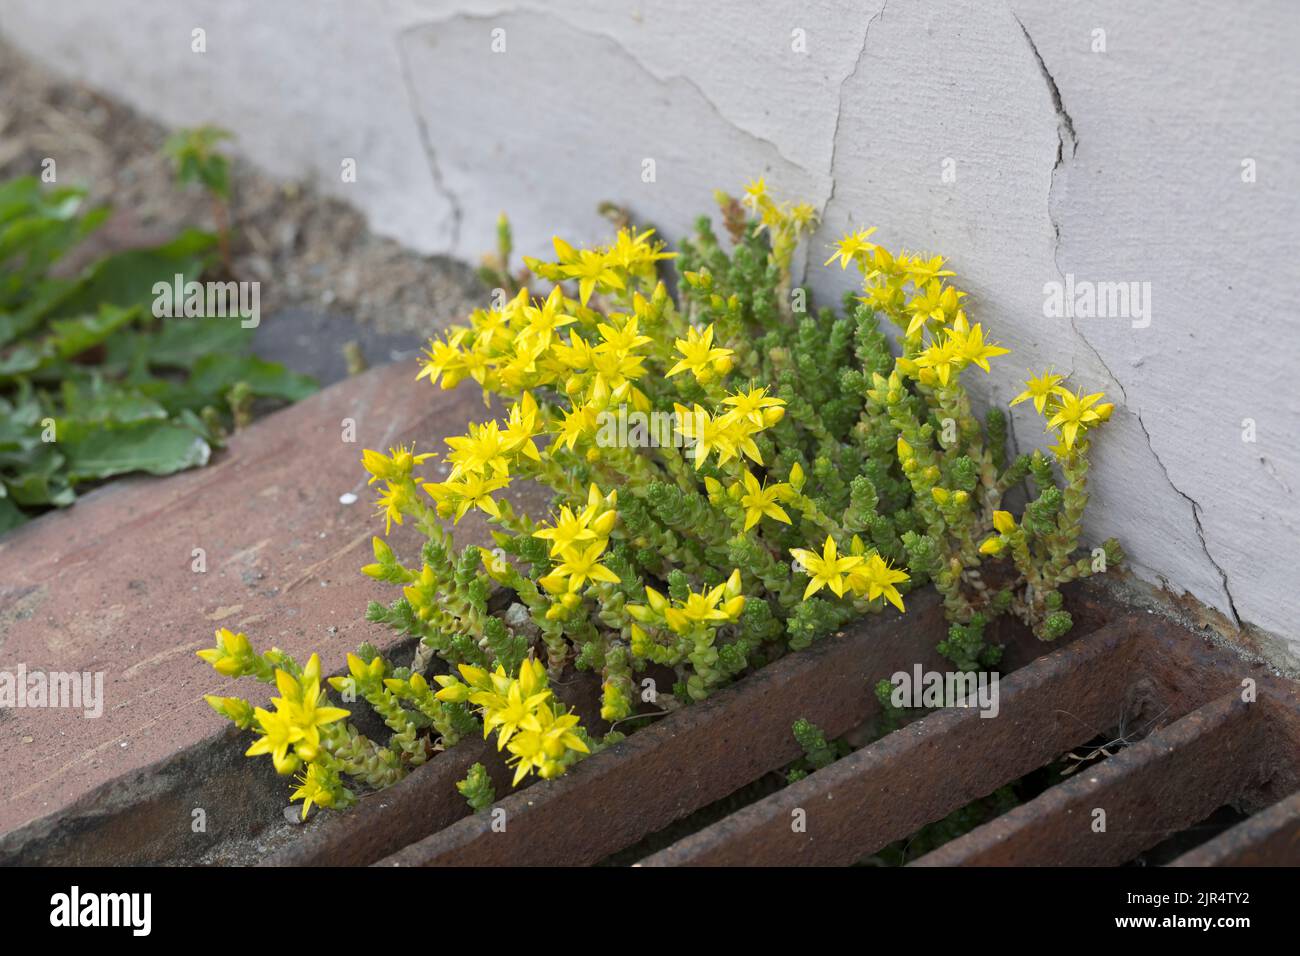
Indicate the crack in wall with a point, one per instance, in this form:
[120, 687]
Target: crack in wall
[1065, 134]
[835, 132]
[426, 139]
[1196, 517]
[662, 79]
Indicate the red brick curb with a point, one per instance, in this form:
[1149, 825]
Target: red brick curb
[108, 584]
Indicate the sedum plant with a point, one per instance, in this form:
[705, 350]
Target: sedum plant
[734, 476]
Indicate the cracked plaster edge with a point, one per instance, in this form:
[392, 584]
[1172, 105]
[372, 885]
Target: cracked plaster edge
[456, 210]
[407, 22]
[845, 80]
[1067, 135]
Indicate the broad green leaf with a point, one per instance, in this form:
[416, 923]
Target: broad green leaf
[216, 373]
[181, 342]
[33, 490]
[73, 336]
[100, 401]
[127, 278]
[38, 300]
[10, 515]
[22, 358]
[159, 448]
[126, 391]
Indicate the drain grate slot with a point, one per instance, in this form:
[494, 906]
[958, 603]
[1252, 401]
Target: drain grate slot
[1270, 838]
[701, 754]
[1189, 743]
[927, 769]
[1192, 742]
[1170, 780]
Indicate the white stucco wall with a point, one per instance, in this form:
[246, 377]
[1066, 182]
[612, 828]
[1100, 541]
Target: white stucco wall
[1122, 165]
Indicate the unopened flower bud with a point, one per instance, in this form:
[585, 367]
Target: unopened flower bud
[796, 476]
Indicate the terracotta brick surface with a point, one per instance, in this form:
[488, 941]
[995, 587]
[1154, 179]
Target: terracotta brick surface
[107, 585]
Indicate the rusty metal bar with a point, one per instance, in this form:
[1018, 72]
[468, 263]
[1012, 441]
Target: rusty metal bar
[699, 755]
[1169, 780]
[424, 801]
[928, 769]
[1269, 838]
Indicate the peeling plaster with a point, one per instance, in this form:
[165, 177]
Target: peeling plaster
[593, 137]
[663, 78]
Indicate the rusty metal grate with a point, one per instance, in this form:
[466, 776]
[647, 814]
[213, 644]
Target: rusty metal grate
[1203, 747]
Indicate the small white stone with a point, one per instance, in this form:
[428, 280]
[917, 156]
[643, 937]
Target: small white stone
[347, 498]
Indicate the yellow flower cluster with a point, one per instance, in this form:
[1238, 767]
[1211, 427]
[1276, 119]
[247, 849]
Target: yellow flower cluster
[232, 654]
[863, 572]
[520, 348]
[722, 604]
[759, 500]
[540, 734]
[290, 732]
[521, 344]
[785, 222]
[730, 434]
[482, 460]
[606, 269]
[1072, 412]
[578, 541]
[912, 290]
[1004, 523]
[700, 357]
[395, 469]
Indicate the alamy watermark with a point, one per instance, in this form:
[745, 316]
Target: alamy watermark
[75, 690]
[75, 908]
[1085, 299]
[624, 428]
[922, 688]
[211, 300]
